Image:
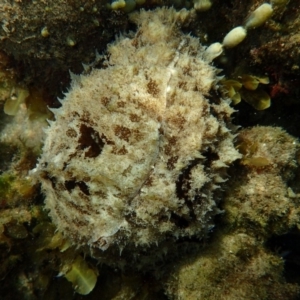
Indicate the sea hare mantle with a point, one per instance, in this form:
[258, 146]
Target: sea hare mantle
[139, 148]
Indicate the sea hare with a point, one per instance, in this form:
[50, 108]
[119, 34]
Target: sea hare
[139, 148]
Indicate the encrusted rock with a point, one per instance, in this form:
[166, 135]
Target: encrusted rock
[139, 148]
[44, 39]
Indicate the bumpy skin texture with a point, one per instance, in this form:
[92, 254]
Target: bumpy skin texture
[137, 150]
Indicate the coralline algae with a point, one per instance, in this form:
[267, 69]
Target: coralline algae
[139, 148]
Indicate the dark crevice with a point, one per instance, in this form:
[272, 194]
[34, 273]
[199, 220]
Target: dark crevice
[179, 221]
[210, 156]
[51, 179]
[287, 246]
[90, 139]
[71, 184]
[214, 97]
[83, 187]
[183, 186]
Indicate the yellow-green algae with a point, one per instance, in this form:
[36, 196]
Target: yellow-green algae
[247, 87]
[82, 276]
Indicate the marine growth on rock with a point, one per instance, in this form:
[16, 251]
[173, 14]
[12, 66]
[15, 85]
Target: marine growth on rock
[139, 148]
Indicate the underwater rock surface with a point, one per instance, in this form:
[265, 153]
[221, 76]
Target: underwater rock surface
[138, 149]
[65, 34]
[261, 202]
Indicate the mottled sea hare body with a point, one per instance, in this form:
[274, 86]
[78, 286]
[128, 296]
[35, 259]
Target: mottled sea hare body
[139, 148]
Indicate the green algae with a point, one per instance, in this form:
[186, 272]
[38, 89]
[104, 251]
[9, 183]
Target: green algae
[82, 276]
